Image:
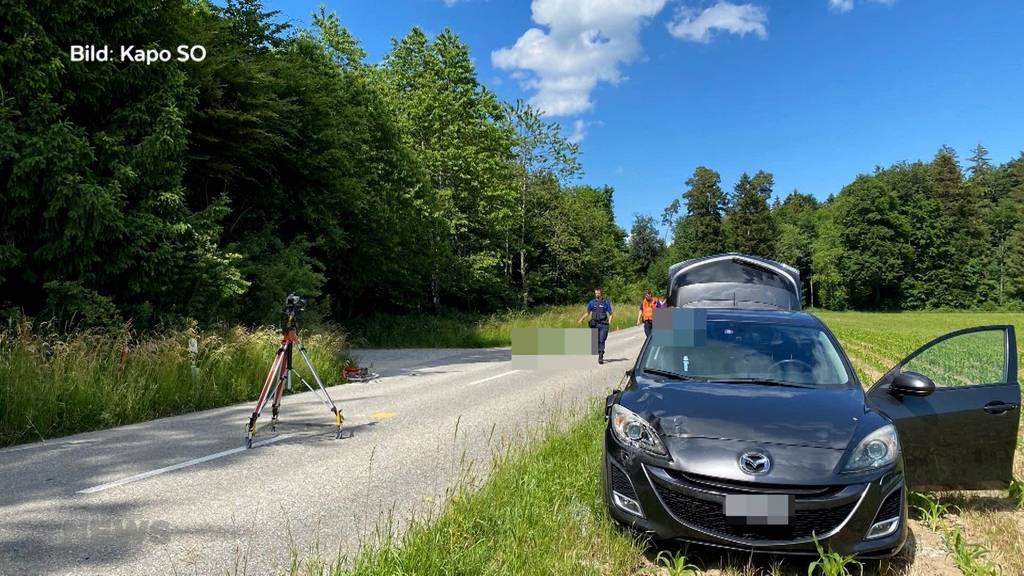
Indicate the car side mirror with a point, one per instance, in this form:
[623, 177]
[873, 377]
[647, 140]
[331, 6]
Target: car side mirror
[911, 384]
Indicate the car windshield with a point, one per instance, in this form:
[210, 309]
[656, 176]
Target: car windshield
[751, 352]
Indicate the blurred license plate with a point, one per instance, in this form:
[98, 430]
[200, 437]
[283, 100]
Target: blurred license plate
[759, 509]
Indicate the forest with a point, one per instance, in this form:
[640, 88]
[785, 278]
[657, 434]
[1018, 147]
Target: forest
[911, 236]
[285, 162]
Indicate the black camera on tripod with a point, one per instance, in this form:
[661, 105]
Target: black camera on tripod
[293, 304]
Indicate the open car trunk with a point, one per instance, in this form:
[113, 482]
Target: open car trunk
[733, 281]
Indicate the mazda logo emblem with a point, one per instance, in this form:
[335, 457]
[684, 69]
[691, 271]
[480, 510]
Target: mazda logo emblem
[755, 463]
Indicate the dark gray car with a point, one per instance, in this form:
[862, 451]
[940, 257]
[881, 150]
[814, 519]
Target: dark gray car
[743, 425]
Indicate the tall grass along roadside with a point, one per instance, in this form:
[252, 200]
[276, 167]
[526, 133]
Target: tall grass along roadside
[54, 384]
[539, 512]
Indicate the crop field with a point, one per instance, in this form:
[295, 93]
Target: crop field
[992, 522]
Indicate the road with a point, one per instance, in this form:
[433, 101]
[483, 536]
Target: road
[178, 495]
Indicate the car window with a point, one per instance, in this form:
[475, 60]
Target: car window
[754, 350]
[971, 358]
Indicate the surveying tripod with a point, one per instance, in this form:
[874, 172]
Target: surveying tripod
[280, 375]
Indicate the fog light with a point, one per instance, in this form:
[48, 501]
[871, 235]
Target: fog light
[628, 504]
[883, 528]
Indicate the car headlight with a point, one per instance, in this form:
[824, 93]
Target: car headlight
[878, 449]
[633, 431]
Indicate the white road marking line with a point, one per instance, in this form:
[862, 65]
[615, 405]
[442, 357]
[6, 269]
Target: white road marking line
[180, 465]
[493, 377]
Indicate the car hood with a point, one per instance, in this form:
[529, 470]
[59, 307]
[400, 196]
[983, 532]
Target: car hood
[758, 413]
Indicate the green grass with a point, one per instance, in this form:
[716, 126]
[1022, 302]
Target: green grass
[459, 330]
[971, 559]
[53, 385]
[540, 512]
[831, 563]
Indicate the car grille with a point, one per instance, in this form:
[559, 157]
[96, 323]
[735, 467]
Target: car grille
[620, 483]
[891, 507]
[722, 486]
[709, 516]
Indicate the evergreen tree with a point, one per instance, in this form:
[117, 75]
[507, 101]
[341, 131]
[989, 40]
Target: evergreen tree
[645, 246]
[960, 267]
[980, 170]
[749, 226]
[699, 232]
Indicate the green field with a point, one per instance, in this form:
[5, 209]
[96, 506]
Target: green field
[876, 341]
[540, 512]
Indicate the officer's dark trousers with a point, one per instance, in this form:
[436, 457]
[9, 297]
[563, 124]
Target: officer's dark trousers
[648, 324]
[602, 335]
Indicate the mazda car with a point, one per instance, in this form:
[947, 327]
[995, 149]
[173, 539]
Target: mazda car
[743, 425]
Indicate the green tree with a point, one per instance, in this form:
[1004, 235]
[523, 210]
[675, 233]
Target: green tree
[961, 266]
[875, 250]
[749, 227]
[451, 123]
[827, 260]
[699, 232]
[796, 220]
[539, 151]
[645, 246]
[93, 162]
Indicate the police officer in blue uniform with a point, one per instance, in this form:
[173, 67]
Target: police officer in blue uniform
[600, 312]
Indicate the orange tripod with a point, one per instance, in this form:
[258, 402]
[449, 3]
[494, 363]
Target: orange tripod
[280, 375]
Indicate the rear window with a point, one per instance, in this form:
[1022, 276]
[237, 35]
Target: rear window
[747, 350]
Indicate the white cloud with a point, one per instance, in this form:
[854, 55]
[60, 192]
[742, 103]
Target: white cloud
[697, 25]
[842, 6]
[579, 131]
[580, 128]
[585, 43]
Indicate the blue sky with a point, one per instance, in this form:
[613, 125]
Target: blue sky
[814, 91]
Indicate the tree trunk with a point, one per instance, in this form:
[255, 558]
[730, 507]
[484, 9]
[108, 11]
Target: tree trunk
[522, 242]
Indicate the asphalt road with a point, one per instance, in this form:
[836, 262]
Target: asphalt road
[179, 496]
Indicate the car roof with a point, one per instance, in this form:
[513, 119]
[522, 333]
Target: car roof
[764, 316]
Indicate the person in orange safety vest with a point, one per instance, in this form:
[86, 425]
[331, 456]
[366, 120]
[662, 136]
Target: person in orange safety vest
[646, 313]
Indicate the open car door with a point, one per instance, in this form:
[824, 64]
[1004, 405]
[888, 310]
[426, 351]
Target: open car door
[956, 406]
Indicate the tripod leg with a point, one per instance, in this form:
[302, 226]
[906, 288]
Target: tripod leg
[326, 398]
[275, 368]
[285, 381]
[286, 376]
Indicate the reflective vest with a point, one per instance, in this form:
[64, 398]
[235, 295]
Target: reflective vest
[648, 308]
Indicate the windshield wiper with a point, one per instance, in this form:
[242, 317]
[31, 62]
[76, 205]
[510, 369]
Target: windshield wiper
[671, 374]
[765, 381]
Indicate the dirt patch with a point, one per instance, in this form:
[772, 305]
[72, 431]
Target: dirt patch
[923, 555]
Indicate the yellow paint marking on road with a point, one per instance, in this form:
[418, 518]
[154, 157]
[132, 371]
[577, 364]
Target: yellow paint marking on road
[382, 415]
